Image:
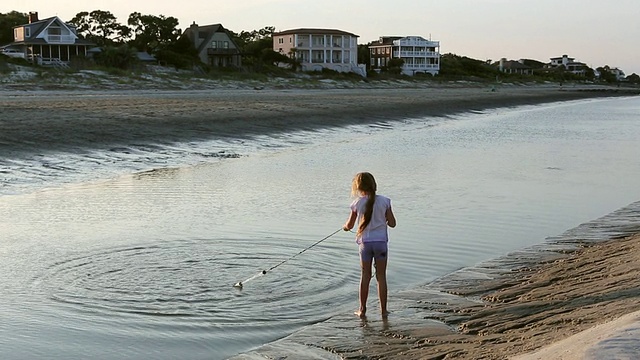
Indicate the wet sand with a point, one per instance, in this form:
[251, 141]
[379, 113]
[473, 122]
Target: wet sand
[524, 311]
[37, 121]
[534, 307]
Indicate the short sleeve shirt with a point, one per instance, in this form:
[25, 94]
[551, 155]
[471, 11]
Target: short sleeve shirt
[377, 228]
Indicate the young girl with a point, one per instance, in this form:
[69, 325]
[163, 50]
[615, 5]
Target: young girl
[373, 214]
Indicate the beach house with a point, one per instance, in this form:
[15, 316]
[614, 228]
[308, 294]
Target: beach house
[317, 49]
[418, 54]
[214, 44]
[569, 63]
[513, 67]
[49, 41]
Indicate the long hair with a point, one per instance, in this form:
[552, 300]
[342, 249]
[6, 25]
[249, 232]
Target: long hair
[364, 183]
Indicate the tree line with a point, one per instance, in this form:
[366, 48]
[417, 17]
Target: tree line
[159, 35]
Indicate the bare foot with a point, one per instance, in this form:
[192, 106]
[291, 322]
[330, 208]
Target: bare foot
[361, 313]
[385, 314]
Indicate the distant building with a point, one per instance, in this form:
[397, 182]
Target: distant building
[317, 49]
[49, 41]
[419, 55]
[513, 67]
[214, 44]
[569, 64]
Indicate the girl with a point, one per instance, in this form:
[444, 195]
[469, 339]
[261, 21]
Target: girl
[373, 214]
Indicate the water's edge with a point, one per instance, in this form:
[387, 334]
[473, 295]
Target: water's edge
[431, 305]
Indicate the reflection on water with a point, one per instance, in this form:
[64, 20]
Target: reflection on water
[144, 265]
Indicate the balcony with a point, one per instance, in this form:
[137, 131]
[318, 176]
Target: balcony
[421, 66]
[418, 54]
[221, 51]
[61, 39]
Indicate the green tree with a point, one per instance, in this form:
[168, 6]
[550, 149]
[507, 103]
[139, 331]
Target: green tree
[99, 26]
[634, 78]
[7, 22]
[121, 57]
[395, 65]
[152, 33]
[606, 74]
[461, 66]
[364, 55]
[181, 54]
[257, 48]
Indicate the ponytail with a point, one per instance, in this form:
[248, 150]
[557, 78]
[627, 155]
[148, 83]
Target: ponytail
[364, 182]
[368, 212]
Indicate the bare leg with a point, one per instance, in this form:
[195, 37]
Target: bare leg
[365, 279]
[381, 276]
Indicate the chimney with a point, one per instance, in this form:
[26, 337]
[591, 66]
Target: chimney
[33, 16]
[195, 31]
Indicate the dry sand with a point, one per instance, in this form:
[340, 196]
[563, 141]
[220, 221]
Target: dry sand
[532, 308]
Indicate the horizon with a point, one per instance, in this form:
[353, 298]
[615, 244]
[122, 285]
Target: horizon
[595, 34]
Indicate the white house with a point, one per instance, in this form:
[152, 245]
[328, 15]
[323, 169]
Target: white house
[49, 41]
[569, 64]
[419, 54]
[318, 49]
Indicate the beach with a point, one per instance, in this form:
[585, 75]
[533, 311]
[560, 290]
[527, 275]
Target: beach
[583, 298]
[40, 120]
[517, 314]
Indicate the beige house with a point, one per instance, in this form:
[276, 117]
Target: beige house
[214, 44]
[513, 67]
[318, 49]
[50, 41]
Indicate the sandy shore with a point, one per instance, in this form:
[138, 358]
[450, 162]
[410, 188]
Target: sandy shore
[35, 121]
[523, 312]
[541, 305]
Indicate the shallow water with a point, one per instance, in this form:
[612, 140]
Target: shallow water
[142, 265]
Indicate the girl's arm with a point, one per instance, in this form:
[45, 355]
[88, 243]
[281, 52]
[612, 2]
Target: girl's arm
[351, 221]
[391, 219]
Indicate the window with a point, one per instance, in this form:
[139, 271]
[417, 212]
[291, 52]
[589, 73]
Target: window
[15, 34]
[226, 44]
[27, 32]
[280, 41]
[290, 39]
[214, 44]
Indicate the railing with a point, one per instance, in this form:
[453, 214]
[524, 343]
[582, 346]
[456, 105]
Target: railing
[306, 45]
[218, 51]
[60, 39]
[415, 54]
[421, 66]
[329, 61]
[54, 62]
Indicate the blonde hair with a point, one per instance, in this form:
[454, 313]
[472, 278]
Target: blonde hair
[365, 183]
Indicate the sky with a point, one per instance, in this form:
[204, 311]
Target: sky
[596, 33]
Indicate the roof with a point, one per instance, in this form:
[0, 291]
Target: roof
[385, 40]
[314, 31]
[145, 56]
[43, 42]
[209, 30]
[37, 27]
[512, 64]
